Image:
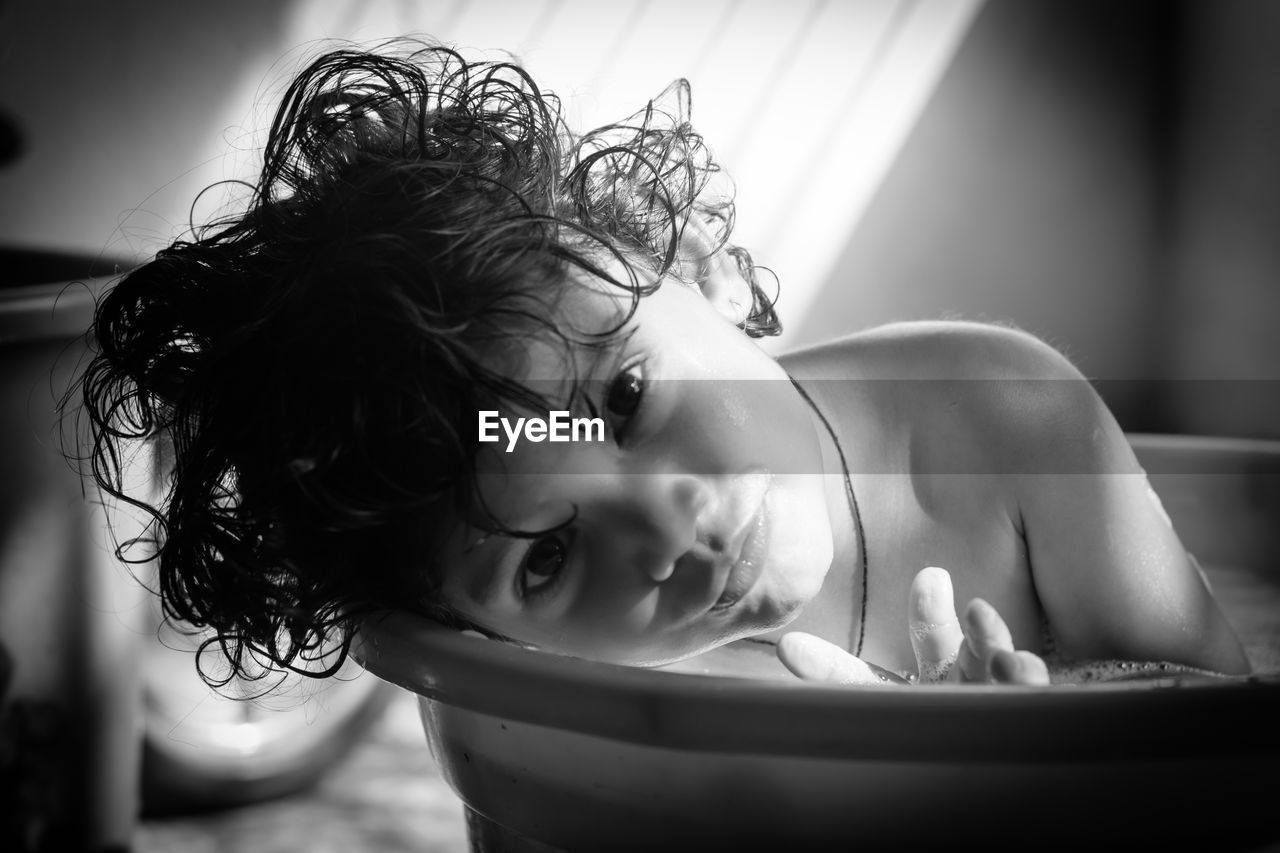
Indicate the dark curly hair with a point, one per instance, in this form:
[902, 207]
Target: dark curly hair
[309, 364]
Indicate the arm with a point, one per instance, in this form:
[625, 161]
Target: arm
[1110, 572]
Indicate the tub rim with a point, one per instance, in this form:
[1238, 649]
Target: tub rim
[1166, 718]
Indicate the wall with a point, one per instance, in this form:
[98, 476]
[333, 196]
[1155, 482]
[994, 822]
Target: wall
[1103, 175]
[1223, 250]
[1100, 174]
[92, 83]
[1024, 195]
[171, 99]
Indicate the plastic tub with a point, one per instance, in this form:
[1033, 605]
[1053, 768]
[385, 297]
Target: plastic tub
[555, 752]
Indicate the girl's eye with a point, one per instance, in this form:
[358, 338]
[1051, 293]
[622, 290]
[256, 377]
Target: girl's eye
[625, 394]
[542, 565]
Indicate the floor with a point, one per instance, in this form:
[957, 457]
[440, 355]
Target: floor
[386, 796]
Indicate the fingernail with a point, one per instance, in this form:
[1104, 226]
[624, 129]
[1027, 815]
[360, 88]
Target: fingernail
[800, 653]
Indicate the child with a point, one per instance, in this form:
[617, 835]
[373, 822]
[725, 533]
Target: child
[429, 255]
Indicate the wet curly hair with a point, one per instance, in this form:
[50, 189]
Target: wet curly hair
[309, 364]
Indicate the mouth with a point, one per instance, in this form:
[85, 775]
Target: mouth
[749, 566]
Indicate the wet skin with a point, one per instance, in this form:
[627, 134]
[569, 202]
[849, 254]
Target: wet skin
[716, 509]
[985, 452]
[704, 517]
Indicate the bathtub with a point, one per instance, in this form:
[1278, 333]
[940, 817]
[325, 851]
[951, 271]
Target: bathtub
[550, 752]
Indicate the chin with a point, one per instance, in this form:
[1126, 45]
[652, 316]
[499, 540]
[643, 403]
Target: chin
[771, 607]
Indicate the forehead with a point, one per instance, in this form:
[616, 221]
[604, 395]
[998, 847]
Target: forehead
[590, 319]
[563, 367]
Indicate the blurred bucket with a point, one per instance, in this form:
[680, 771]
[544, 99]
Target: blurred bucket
[69, 619]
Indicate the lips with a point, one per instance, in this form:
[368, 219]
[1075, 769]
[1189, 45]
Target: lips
[749, 566]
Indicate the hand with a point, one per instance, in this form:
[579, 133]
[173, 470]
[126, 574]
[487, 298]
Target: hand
[978, 650]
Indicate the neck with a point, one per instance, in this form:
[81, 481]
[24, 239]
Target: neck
[836, 612]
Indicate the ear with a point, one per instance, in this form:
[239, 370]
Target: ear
[714, 271]
[726, 289]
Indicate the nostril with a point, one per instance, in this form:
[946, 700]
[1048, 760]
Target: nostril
[716, 543]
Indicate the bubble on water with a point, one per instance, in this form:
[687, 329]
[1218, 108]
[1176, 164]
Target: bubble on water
[1102, 671]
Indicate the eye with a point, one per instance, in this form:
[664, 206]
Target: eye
[625, 394]
[542, 565]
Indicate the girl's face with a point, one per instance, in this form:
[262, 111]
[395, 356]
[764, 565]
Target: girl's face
[701, 518]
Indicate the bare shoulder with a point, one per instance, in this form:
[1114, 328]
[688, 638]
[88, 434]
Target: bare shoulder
[974, 390]
[939, 349]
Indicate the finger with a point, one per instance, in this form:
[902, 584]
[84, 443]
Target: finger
[985, 633]
[1023, 668]
[936, 636]
[969, 667]
[814, 659]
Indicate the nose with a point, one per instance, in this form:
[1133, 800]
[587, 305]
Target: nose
[658, 516]
[689, 497]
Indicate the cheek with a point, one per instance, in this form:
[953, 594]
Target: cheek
[778, 430]
[620, 626]
[605, 614]
[618, 616]
[728, 426]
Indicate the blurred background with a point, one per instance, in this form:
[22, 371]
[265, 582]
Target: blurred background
[1100, 174]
